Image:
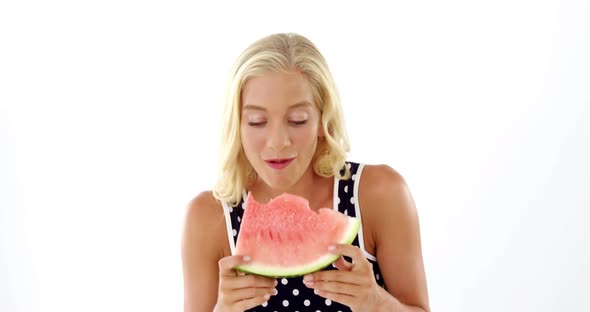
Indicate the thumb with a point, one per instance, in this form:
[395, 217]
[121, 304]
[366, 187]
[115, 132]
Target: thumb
[227, 264]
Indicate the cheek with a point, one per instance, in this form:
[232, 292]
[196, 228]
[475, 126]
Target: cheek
[252, 139]
[304, 138]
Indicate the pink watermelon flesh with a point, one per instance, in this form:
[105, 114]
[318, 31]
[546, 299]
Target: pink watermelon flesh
[285, 238]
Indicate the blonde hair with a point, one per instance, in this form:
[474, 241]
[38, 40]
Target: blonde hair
[280, 53]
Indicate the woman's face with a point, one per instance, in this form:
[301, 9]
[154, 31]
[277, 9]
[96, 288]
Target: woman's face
[280, 125]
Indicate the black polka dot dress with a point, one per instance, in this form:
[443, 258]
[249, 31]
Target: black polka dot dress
[293, 295]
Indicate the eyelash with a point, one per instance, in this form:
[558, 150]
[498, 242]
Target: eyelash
[260, 124]
[299, 123]
[256, 124]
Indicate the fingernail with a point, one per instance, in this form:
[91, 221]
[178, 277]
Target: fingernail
[246, 258]
[275, 291]
[266, 297]
[331, 247]
[315, 291]
[308, 278]
[276, 282]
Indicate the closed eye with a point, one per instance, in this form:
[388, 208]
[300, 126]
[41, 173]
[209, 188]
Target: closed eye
[256, 124]
[299, 122]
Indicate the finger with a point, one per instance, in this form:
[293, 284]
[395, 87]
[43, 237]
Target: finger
[354, 278]
[358, 259]
[250, 281]
[250, 293]
[346, 300]
[342, 264]
[227, 264]
[250, 303]
[337, 287]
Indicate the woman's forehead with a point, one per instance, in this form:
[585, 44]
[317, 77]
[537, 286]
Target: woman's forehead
[273, 89]
[300, 104]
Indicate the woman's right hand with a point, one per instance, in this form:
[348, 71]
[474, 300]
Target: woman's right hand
[238, 291]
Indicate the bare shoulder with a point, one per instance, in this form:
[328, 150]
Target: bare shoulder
[204, 242]
[384, 191]
[205, 209]
[381, 179]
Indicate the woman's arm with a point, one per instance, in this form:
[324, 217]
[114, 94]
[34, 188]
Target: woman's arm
[203, 239]
[389, 211]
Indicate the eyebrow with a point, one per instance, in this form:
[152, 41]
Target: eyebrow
[256, 107]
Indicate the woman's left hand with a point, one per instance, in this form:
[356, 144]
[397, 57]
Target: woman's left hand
[353, 284]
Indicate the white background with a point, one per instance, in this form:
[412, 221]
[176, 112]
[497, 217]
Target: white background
[109, 118]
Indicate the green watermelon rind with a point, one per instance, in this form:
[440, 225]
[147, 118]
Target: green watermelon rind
[279, 272]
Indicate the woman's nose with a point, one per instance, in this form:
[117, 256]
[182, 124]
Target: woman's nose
[278, 138]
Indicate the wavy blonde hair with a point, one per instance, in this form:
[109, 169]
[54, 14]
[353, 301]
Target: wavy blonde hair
[280, 53]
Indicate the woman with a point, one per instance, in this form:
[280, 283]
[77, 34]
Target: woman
[283, 132]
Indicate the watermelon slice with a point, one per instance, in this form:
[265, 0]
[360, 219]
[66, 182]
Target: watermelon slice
[285, 238]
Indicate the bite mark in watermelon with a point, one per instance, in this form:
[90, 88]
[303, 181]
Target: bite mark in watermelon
[285, 238]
